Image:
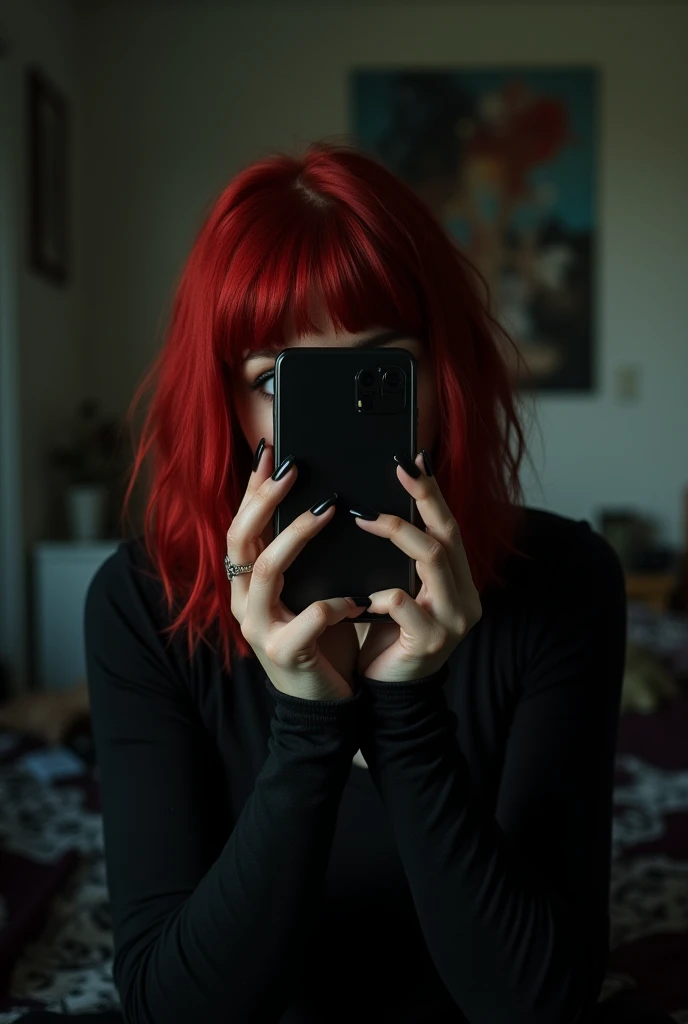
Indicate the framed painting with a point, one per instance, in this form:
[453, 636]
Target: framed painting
[48, 140]
[506, 159]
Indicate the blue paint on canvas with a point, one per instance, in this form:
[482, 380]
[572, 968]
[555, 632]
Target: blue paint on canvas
[572, 171]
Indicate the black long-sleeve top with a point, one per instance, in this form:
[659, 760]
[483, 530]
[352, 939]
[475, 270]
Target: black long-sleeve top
[257, 875]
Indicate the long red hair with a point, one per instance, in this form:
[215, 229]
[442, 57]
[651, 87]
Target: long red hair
[336, 224]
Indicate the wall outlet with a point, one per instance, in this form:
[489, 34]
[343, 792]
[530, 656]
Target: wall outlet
[627, 384]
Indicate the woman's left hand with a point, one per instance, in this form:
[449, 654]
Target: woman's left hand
[427, 628]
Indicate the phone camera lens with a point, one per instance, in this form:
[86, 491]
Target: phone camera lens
[392, 380]
[366, 379]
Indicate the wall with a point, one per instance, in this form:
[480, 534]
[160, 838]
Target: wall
[42, 361]
[41, 33]
[179, 97]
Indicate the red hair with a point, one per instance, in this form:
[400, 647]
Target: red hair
[336, 224]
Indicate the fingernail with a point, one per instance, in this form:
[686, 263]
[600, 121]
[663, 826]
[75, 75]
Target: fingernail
[362, 602]
[427, 463]
[322, 506]
[284, 467]
[408, 465]
[364, 513]
[257, 457]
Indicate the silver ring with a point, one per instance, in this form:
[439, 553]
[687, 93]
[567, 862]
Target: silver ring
[233, 570]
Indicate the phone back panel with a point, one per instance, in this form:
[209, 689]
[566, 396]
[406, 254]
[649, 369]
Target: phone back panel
[338, 447]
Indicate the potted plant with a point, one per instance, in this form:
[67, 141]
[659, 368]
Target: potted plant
[84, 456]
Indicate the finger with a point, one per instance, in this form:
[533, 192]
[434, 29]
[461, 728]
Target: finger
[267, 576]
[301, 633]
[432, 562]
[438, 518]
[244, 544]
[414, 621]
[442, 526]
[262, 472]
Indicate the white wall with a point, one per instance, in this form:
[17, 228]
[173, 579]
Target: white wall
[41, 33]
[40, 347]
[179, 97]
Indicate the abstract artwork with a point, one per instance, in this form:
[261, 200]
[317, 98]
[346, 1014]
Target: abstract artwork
[506, 160]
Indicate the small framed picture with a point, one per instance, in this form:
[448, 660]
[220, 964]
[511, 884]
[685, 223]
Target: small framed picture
[48, 139]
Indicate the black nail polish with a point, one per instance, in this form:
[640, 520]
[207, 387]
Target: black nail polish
[364, 513]
[362, 602]
[322, 506]
[257, 457]
[409, 465]
[427, 463]
[284, 467]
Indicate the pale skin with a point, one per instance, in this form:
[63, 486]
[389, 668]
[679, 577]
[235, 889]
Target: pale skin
[254, 412]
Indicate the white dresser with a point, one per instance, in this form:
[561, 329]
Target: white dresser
[62, 573]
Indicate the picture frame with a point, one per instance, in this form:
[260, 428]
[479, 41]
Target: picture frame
[48, 178]
[506, 157]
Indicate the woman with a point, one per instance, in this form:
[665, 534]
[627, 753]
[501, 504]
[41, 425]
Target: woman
[310, 819]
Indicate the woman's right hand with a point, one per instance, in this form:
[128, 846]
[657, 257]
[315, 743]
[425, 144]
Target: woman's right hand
[286, 644]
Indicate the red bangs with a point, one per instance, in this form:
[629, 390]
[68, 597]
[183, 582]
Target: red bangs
[294, 254]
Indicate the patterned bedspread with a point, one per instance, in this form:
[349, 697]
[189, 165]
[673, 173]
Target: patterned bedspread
[55, 939]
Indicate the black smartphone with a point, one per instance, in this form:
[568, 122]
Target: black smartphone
[344, 413]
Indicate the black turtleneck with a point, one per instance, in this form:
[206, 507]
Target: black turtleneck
[256, 875]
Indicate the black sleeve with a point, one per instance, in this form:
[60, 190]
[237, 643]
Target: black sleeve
[514, 906]
[198, 939]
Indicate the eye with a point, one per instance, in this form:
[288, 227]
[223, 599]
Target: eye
[256, 386]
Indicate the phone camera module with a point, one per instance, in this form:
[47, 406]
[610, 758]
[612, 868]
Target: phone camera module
[380, 391]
